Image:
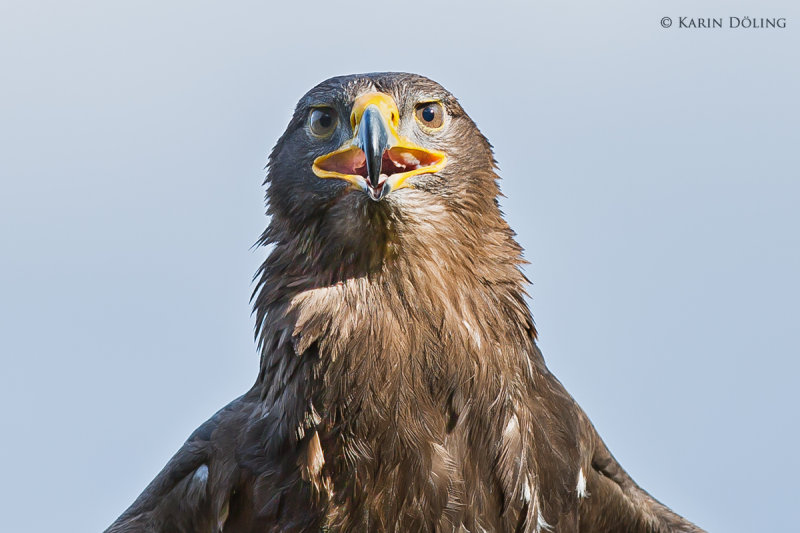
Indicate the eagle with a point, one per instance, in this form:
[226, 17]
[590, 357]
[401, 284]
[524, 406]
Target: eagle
[400, 385]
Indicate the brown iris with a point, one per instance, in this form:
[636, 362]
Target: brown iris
[430, 114]
[322, 121]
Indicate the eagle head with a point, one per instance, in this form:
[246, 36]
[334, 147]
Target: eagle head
[369, 148]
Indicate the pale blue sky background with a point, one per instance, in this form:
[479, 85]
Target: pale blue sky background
[651, 174]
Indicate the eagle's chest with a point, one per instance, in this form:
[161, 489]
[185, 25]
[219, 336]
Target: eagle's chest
[413, 415]
[402, 450]
[409, 437]
[382, 359]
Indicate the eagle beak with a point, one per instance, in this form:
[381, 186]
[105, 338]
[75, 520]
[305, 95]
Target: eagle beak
[377, 159]
[373, 139]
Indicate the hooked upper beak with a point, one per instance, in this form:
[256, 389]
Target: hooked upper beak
[373, 139]
[376, 159]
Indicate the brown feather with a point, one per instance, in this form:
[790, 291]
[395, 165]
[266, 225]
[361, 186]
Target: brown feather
[400, 385]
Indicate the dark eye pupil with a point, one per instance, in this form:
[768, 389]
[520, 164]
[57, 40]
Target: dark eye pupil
[325, 120]
[428, 114]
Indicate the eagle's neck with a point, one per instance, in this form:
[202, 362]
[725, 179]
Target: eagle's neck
[379, 334]
[403, 301]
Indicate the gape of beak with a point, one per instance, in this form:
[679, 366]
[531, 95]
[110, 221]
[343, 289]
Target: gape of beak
[377, 160]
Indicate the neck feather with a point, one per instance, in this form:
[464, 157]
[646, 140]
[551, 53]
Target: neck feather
[411, 284]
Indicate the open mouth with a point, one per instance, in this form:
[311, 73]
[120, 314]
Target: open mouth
[397, 162]
[377, 159]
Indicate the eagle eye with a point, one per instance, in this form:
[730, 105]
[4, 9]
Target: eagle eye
[430, 115]
[322, 121]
